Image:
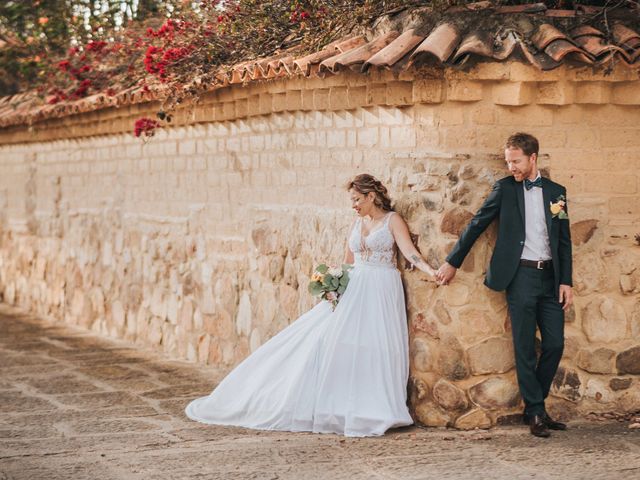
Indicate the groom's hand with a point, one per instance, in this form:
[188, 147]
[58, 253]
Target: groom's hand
[566, 296]
[445, 273]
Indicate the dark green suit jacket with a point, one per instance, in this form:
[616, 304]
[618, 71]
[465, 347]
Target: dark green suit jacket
[506, 202]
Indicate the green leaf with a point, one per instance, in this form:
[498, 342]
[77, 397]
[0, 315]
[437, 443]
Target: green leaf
[322, 268]
[562, 215]
[335, 282]
[315, 288]
[327, 281]
[344, 280]
[341, 289]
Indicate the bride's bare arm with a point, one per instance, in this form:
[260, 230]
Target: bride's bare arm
[348, 254]
[402, 237]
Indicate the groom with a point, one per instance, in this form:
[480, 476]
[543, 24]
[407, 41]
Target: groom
[532, 262]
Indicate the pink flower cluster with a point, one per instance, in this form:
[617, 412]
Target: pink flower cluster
[145, 126]
[156, 59]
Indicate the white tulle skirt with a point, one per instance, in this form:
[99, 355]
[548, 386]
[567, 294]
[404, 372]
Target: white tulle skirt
[342, 371]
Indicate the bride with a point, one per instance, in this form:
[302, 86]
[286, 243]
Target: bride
[341, 371]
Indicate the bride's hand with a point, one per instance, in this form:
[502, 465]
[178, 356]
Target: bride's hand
[430, 272]
[433, 275]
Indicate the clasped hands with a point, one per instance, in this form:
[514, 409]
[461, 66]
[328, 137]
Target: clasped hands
[445, 273]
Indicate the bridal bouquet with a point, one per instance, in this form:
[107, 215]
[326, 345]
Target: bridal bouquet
[329, 283]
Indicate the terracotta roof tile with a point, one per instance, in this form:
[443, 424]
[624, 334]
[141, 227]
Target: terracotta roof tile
[479, 42]
[440, 43]
[471, 7]
[397, 49]
[588, 9]
[561, 13]
[559, 49]
[592, 41]
[304, 64]
[583, 30]
[236, 74]
[558, 45]
[546, 34]
[529, 8]
[355, 58]
[452, 42]
[626, 37]
[503, 46]
[285, 65]
[538, 59]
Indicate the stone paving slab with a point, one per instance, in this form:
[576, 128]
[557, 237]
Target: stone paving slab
[77, 406]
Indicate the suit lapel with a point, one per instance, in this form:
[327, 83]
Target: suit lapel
[546, 195]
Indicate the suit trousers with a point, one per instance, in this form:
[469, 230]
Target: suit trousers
[533, 302]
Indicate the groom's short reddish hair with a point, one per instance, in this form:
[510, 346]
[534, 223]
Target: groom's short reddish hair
[524, 141]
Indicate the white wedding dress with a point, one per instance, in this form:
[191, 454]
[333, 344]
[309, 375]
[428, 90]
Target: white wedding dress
[342, 371]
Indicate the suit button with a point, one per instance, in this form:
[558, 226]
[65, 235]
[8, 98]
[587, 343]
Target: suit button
[522, 242]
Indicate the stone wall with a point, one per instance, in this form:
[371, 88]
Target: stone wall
[200, 241]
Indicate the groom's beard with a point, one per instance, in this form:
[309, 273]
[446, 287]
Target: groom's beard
[520, 176]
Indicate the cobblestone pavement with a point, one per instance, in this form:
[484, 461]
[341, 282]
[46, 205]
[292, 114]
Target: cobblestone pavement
[77, 406]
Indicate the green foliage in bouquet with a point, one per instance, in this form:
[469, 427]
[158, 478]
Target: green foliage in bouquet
[329, 283]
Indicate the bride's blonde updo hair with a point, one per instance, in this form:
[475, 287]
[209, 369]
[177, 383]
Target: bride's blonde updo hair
[365, 183]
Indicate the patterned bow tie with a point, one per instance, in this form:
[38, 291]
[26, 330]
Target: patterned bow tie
[528, 184]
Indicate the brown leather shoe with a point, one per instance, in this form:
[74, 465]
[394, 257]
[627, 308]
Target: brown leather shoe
[538, 427]
[552, 424]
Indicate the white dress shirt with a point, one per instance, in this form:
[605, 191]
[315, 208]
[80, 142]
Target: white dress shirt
[536, 242]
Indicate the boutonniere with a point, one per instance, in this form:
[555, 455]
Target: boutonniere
[558, 209]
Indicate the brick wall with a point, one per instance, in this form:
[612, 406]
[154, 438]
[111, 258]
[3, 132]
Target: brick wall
[200, 241]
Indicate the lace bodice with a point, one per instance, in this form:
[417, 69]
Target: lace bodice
[377, 248]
